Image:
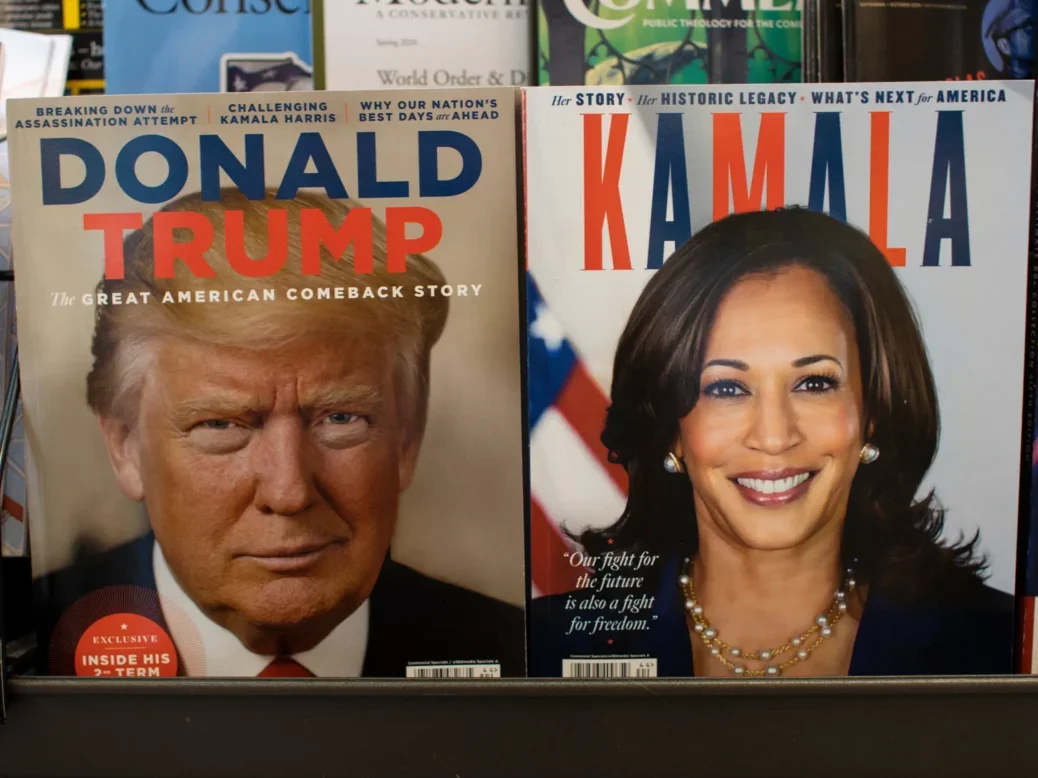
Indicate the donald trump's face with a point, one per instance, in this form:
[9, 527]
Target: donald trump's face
[271, 478]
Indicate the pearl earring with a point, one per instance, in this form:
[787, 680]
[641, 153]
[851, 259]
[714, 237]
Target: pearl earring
[869, 454]
[672, 464]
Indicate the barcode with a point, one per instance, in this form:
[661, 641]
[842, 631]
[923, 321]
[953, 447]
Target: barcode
[609, 668]
[455, 671]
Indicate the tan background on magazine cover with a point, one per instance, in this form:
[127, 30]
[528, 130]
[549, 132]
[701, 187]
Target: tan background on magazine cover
[462, 518]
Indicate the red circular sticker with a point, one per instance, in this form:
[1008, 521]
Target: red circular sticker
[125, 645]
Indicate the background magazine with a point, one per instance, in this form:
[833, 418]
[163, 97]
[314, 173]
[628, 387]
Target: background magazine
[691, 42]
[161, 48]
[373, 46]
[328, 481]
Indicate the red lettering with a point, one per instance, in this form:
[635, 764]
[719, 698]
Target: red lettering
[398, 245]
[730, 165]
[316, 231]
[113, 225]
[168, 250]
[277, 243]
[879, 187]
[602, 205]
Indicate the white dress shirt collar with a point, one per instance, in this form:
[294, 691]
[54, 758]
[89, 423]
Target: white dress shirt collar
[339, 655]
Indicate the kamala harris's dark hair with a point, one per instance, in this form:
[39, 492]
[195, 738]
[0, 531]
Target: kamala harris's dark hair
[891, 537]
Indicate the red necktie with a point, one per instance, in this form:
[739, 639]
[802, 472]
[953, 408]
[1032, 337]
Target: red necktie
[285, 667]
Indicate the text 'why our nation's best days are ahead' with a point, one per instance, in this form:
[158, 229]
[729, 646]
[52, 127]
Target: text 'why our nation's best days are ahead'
[452, 109]
[306, 293]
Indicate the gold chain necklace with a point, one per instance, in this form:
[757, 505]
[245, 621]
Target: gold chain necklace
[805, 643]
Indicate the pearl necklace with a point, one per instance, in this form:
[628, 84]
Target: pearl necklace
[820, 631]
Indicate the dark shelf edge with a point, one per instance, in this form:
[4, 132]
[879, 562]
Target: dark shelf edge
[525, 688]
[848, 727]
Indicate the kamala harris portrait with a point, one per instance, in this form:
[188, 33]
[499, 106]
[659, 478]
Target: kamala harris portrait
[773, 405]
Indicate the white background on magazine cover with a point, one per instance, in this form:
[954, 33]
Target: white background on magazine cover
[973, 318]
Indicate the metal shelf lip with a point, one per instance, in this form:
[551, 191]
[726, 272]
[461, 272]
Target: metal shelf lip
[251, 728]
[530, 687]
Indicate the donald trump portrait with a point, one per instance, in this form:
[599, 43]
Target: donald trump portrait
[269, 442]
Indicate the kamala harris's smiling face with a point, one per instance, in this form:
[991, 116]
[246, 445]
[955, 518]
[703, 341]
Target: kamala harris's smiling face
[773, 442]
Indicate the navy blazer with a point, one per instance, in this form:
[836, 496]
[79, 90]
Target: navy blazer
[412, 617]
[970, 636]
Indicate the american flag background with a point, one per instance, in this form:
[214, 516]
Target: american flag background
[572, 483]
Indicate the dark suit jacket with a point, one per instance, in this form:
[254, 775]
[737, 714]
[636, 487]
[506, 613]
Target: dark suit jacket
[413, 618]
[969, 635]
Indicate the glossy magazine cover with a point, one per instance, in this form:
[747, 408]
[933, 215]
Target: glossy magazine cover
[763, 439]
[272, 384]
[167, 46]
[604, 42]
[387, 44]
[967, 40]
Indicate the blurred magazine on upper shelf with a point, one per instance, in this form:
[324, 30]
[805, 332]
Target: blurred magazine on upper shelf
[165, 47]
[480, 43]
[80, 20]
[967, 40]
[38, 66]
[689, 42]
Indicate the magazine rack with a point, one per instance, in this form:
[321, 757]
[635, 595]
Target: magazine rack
[256, 728]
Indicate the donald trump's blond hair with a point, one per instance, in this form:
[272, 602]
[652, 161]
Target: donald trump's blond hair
[125, 335]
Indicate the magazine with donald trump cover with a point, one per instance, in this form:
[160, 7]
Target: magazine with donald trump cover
[270, 359]
[776, 358]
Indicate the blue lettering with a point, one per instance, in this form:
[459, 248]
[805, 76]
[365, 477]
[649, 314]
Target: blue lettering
[214, 156]
[669, 176]
[948, 182]
[309, 148]
[51, 151]
[429, 182]
[827, 167]
[368, 184]
[126, 169]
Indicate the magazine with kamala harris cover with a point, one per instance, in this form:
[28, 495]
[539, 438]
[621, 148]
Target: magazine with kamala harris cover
[776, 351]
[270, 359]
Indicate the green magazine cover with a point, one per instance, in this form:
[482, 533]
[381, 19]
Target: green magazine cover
[669, 41]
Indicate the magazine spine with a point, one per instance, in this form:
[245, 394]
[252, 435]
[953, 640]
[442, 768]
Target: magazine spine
[809, 41]
[565, 41]
[317, 44]
[830, 42]
[522, 268]
[850, 49]
[7, 424]
[3, 650]
[1024, 600]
